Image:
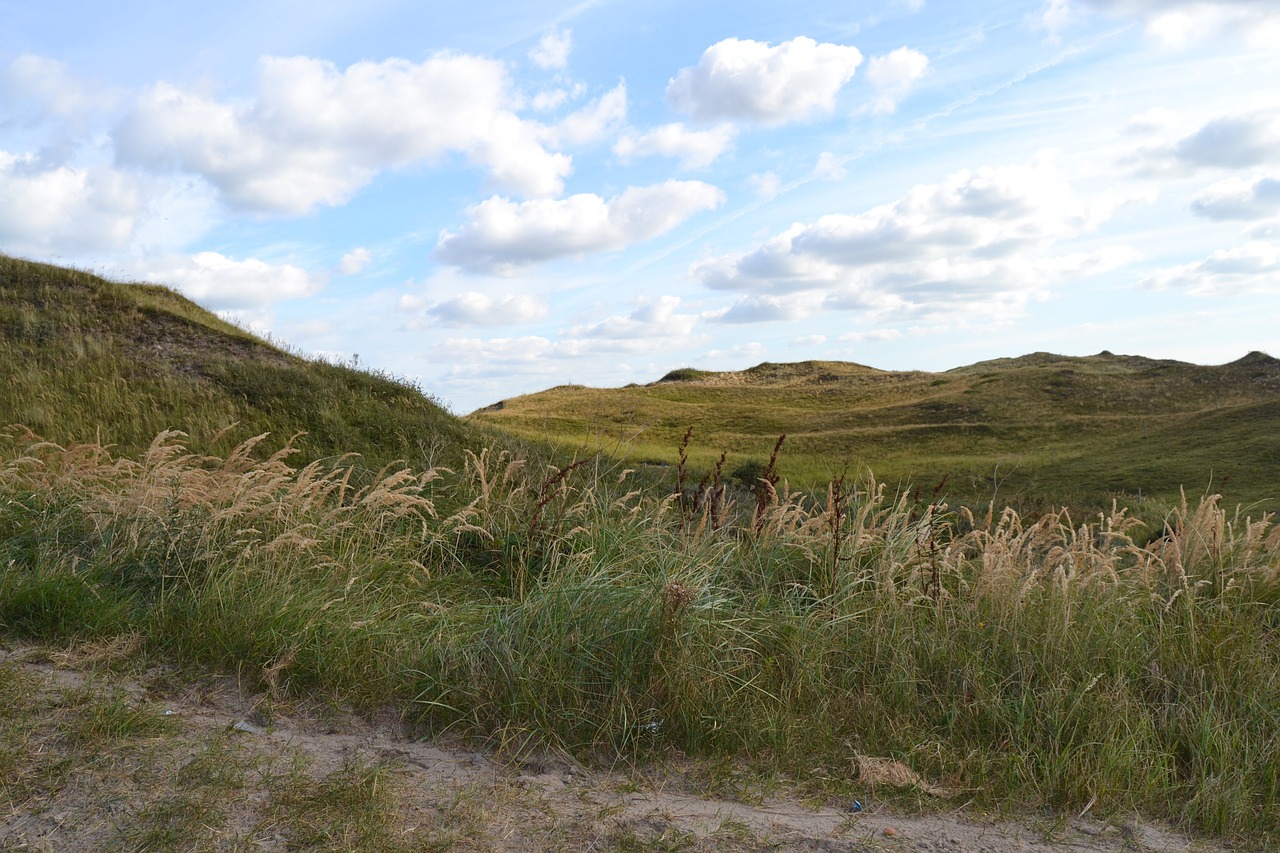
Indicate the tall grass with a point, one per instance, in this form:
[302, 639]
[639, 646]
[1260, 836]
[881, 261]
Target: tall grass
[1047, 660]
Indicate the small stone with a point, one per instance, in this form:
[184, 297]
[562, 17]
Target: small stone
[889, 832]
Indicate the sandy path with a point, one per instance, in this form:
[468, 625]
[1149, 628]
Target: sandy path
[469, 800]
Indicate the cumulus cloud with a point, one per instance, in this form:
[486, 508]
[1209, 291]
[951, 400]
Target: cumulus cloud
[502, 236]
[741, 79]
[598, 119]
[769, 308]
[314, 134]
[1239, 198]
[1179, 22]
[893, 75]
[1232, 142]
[978, 238]
[552, 50]
[654, 319]
[478, 309]
[355, 261]
[1246, 269]
[809, 341]
[694, 148]
[228, 285]
[1238, 141]
[65, 208]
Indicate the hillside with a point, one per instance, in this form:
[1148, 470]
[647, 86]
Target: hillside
[1037, 428]
[83, 358]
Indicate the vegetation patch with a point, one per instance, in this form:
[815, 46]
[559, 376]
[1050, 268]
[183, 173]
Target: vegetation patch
[1048, 661]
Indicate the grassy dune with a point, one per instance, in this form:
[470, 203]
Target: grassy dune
[1038, 430]
[82, 357]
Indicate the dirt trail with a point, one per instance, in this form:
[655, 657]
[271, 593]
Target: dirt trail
[448, 797]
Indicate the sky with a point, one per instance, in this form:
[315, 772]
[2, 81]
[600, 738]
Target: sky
[494, 198]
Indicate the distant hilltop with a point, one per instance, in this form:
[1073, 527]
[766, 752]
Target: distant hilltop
[1041, 427]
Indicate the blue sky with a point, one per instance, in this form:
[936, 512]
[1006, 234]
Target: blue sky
[495, 198]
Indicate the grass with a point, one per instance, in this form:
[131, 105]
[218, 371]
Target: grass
[1019, 657]
[81, 356]
[1046, 661]
[1035, 431]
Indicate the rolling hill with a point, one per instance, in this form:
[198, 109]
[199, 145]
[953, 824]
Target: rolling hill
[83, 358]
[1039, 428]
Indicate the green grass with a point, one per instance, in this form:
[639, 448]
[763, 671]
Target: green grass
[82, 358]
[1041, 662]
[1035, 431]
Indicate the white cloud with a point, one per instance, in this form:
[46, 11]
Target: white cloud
[828, 168]
[552, 50]
[1055, 16]
[1239, 198]
[1232, 142]
[694, 148]
[809, 341]
[501, 357]
[503, 236]
[48, 86]
[654, 319]
[227, 285]
[749, 80]
[478, 309]
[1247, 269]
[1179, 22]
[598, 119]
[752, 350]
[65, 208]
[977, 239]
[1237, 141]
[1152, 120]
[537, 355]
[764, 184]
[893, 75]
[549, 99]
[871, 336]
[355, 261]
[315, 134]
[770, 308]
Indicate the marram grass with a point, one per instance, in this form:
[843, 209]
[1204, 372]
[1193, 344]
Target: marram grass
[1047, 661]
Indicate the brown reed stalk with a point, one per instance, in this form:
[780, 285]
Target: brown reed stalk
[546, 493]
[682, 471]
[837, 510]
[767, 488]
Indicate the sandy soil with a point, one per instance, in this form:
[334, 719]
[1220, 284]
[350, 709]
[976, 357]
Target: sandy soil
[453, 797]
